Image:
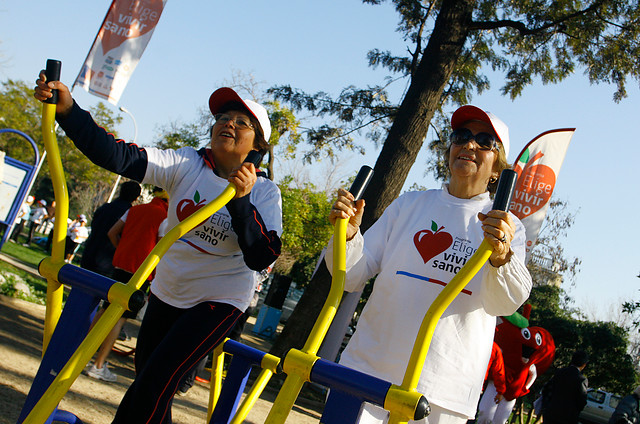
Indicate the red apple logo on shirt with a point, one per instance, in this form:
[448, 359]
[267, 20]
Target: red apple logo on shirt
[432, 242]
[186, 207]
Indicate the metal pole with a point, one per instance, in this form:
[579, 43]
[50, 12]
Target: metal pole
[135, 136]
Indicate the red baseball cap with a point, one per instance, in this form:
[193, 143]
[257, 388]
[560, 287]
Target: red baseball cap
[224, 95]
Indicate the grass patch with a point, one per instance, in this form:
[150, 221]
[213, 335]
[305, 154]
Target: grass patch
[29, 255]
[11, 278]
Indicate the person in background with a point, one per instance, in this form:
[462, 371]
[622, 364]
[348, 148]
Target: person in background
[77, 234]
[567, 392]
[51, 211]
[98, 249]
[134, 235]
[628, 410]
[206, 279]
[415, 248]
[38, 214]
[21, 218]
[494, 392]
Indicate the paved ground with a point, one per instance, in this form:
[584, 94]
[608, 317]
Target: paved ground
[21, 325]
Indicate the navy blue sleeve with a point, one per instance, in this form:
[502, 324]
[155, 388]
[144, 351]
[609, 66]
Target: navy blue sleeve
[260, 247]
[101, 147]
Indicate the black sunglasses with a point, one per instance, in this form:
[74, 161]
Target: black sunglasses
[462, 136]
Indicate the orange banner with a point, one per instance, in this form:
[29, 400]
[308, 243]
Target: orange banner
[538, 166]
[117, 49]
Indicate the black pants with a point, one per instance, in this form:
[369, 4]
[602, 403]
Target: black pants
[32, 229]
[17, 229]
[171, 342]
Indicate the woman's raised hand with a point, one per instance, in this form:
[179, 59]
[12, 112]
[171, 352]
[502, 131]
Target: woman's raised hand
[499, 231]
[243, 177]
[43, 91]
[345, 207]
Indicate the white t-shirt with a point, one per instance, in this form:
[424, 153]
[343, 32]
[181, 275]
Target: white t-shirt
[37, 214]
[206, 264]
[78, 233]
[418, 244]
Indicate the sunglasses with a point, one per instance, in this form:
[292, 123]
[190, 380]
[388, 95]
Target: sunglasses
[462, 136]
[238, 122]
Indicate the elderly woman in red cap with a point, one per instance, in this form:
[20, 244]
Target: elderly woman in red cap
[419, 243]
[206, 279]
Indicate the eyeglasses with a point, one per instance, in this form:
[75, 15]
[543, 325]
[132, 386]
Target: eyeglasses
[239, 122]
[462, 136]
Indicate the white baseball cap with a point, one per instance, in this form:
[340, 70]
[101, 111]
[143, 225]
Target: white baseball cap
[224, 95]
[472, 113]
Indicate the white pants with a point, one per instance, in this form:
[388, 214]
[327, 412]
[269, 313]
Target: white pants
[490, 412]
[373, 414]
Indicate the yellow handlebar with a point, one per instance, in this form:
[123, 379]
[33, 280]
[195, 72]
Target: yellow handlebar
[54, 288]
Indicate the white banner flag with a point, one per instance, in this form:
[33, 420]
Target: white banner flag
[538, 166]
[117, 49]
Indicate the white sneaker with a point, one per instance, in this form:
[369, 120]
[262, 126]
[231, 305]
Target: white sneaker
[101, 373]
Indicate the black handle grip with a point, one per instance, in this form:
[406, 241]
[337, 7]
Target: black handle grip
[53, 74]
[360, 183]
[254, 157]
[506, 186]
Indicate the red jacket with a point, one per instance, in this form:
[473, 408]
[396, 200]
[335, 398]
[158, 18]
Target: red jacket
[140, 234]
[495, 371]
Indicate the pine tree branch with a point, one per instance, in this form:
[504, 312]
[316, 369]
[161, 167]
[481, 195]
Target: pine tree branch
[524, 30]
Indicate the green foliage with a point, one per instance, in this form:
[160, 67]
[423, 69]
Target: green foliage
[88, 184]
[610, 366]
[357, 108]
[285, 128]
[19, 111]
[176, 135]
[8, 288]
[524, 40]
[10, 275]
[306, 230]
[632, 308]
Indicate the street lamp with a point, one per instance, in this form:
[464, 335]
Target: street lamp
[135, 126]
[135, 136]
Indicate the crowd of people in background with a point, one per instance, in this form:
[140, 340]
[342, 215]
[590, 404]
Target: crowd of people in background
[39, 218]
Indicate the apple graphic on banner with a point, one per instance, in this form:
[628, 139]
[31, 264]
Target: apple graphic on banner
[534, 187]
[186, 207]
[125, 22]
[432, 242]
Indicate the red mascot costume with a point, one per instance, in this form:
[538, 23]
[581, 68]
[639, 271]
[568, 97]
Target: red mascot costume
[527, 353]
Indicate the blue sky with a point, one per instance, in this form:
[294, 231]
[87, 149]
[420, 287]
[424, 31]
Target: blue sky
[322, 45]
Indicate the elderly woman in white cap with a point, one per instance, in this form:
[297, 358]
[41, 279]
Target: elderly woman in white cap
[206, 279]
[419, 243]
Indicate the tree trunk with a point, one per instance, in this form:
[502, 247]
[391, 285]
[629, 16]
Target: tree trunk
[409, 129]
[270, 163]
[304, 315]
[399, 152]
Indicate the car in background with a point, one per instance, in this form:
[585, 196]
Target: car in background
[600, 407]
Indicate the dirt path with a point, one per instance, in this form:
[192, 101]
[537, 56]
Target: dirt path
[93, 401]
